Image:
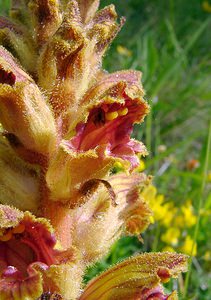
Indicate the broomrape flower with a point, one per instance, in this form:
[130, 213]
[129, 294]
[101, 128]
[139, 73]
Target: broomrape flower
[64, 123]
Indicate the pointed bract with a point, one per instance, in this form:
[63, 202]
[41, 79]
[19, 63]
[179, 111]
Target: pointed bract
[23, 110]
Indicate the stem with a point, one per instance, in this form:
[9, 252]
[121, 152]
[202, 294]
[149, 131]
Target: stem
[196, 230]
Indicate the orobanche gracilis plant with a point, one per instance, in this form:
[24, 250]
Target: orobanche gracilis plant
[64, 123]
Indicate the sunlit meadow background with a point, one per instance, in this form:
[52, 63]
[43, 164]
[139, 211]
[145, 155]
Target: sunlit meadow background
[170, 42]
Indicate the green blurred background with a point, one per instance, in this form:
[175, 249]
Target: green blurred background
[170, 42]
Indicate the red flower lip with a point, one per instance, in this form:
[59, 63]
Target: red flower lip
[20, 247]
[109, 126]
[29, 258]
[107, 113]
[101, 123]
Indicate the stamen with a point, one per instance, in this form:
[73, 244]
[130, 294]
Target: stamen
[123, 111]
[19, 229]
[6, 237]
[111, 115]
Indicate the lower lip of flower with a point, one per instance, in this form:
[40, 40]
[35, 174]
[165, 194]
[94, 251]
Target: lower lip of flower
[110, 124]
[23, 245]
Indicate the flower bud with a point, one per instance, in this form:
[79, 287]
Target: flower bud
[23, 110]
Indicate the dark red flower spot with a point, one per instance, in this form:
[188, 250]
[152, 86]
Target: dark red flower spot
[7, 77]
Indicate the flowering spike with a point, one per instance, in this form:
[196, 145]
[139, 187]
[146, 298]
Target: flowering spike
[64, 124]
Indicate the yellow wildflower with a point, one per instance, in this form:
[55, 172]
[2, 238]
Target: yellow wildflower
[124, 51]
[189, 219]
[157, 207]
[171, 236]
[188, 247]
[179, 221]
[149, 193]
[170, 211]
[152, 219]
[209, 176]
[161, 212]
[141, 166]
[206, 6]
[168, 249]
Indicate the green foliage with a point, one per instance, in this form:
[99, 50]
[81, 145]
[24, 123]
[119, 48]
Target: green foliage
[4, 6]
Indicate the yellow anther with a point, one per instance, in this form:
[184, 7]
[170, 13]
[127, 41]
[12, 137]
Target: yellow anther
[19, 229]
[111, 115]
[123, 111]
[6, 237]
